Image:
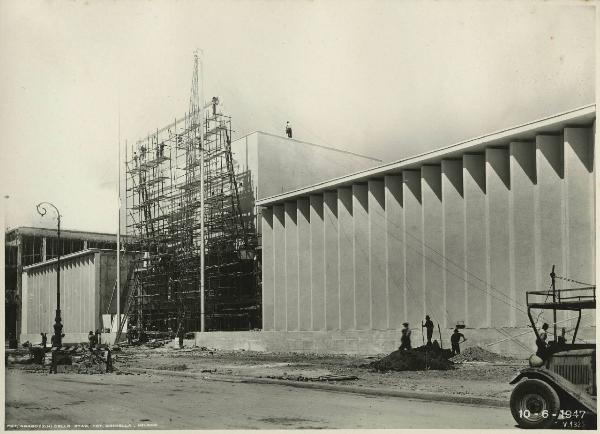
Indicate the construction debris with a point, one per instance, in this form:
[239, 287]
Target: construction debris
[478, 354]
[416, 359]
[319, 378]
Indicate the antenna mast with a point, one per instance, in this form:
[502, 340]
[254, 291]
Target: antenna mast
[197, 122]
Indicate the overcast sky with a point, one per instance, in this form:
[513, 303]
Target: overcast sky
[382, 78]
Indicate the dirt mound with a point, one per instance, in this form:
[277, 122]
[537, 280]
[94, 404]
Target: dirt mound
[478, 354]
[416, 359]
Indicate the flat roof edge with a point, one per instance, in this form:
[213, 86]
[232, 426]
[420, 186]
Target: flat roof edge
[330, 148]
[578, 114]
[69, 257]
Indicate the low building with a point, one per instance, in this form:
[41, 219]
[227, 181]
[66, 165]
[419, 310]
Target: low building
[88, 297]
[25, 246]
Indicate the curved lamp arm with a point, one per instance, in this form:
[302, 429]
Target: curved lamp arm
[41, 209]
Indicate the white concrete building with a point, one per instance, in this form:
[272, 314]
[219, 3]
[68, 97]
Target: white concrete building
[275, 164]
[459, 233]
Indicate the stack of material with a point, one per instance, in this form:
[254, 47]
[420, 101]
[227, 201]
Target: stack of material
[90, 362]
[478, 354]
[416, 359]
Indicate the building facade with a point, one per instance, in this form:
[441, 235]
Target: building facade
[460, 234]
[25, 246]
[87, 293]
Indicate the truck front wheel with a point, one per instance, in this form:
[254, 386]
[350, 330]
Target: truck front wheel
[534, 404]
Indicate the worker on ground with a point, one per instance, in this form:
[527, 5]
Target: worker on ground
[92, 340]
[180, 335]
[129, 336]
[405, 338]
[455, 340]
[429, 326]
[288, 129]
[541, 342]
[45, 340]
[109, 366]
[98, 337]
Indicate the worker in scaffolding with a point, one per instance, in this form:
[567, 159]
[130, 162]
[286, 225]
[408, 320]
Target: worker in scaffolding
[215, 102]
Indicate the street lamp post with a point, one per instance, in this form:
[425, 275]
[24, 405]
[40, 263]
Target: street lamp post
[41, 209]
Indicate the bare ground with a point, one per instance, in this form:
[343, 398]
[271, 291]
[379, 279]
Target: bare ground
[474, 379]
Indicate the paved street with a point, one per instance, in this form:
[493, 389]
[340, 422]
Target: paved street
[162, 402]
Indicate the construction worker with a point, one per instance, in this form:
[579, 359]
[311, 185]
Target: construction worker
[288, 129]
[405, 338]
[562, 340]
[45, 340]
[541, 342]
[455, 340]
[180, 335]
[92, 340]
[135, 159]
[98, 337]
[429, 327]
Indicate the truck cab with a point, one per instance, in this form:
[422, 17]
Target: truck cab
[559, 386]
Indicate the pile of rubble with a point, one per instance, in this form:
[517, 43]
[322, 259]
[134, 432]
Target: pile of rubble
[478, 354]
[416, 359]
[97, 361]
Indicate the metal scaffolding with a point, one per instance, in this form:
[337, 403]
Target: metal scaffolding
[165, 175]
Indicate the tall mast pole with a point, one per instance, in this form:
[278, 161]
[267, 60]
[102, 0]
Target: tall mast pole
[202, 315]
[118, 288]
[553, 277]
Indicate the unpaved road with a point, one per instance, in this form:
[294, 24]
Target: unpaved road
[64, 401]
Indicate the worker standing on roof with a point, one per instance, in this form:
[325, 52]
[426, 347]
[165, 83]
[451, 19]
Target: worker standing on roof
[405, 338]
[429, 326]
[288, 129]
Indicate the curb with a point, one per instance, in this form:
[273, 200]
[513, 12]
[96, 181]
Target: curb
[426, 396]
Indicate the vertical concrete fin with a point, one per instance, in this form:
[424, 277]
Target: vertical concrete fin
[360, 230]
[279, 254]
[432, 235]
[522, 227]
[291, 265]
[304, 261]
[332, 286]
[377, 260]
[549, 207]
[497, 183]
[394, 224]
[268, 270]
[579, 205]
[453, 227]
[475, 240]
[317, 262]
[346, 258]
[413, 247]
